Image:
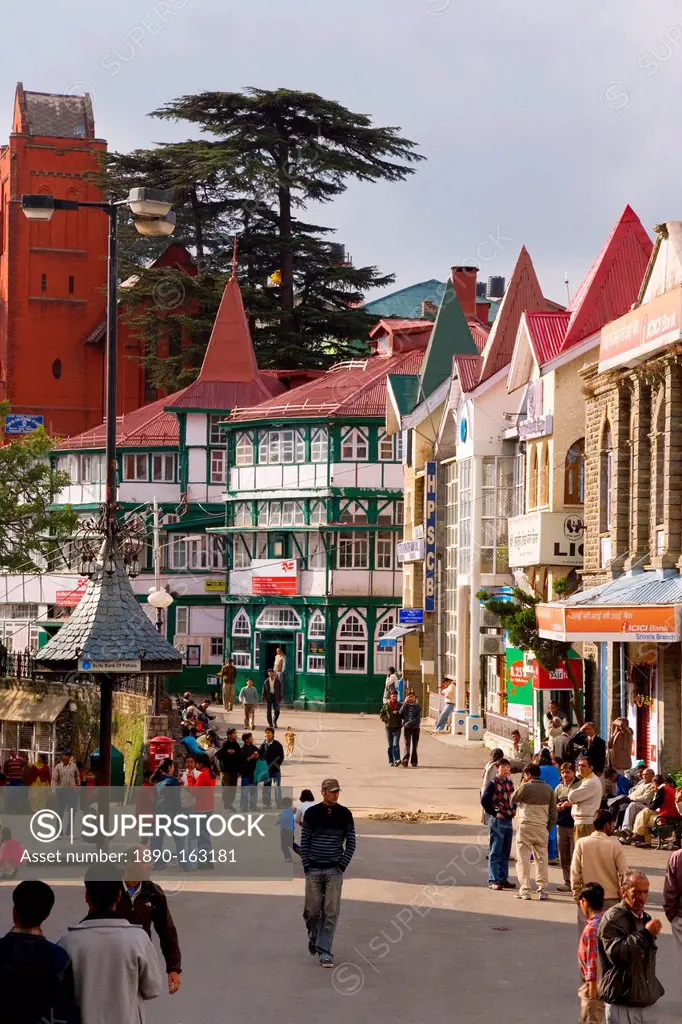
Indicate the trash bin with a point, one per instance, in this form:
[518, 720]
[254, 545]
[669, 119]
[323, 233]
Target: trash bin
[118, 777]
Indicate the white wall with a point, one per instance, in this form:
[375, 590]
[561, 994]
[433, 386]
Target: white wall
[195, 431]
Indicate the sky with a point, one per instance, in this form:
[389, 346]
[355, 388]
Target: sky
[539, 121]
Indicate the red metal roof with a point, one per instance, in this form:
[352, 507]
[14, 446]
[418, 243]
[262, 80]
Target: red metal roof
[468, 369]
[144, 427]
[523, 292]
[479, 332]
[390, 325]
[547, 332]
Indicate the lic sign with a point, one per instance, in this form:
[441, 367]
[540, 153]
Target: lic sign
[430, 540]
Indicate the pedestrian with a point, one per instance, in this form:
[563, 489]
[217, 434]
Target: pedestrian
[449, 692]
[564, 822]
[411, 715]
[11, 853]
[599, 857]
[279, 668]
[585, 798]
[549, 773]
[191, 745]
[143, 902]
[168, 801]
[114, 962]
[627, 956]
[662, 806]
[640, 797]
[14, 768]
[620, 746]
[272, 752]
[204, 805]
[390, 715]
[496, 802]
[287, 825]
[536, 808]
[190, 773]
[305, 800]
[327, 848]
[36, 979]
[228, 760]
[248, 696]
[554, 711]
[591, 902]
[390, 684]
[562, 746]
[228, 676]
[247, 770]
[489, 773]
[672, 901]
[272, 696]
[65, 783]
[520, 750]
[594, 746]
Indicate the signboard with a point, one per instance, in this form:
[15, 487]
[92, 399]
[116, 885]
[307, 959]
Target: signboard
[631, 338]
[410, 550]
[87, 665]
[558, 678]
[193, 655]
[411, 616]
[316, 648]
[71, 598]
[430, 548]
[22, 423]
[519, 686]
[546, 538]
[536, 423]
[656, 623]
[214, 586]
[274, 576]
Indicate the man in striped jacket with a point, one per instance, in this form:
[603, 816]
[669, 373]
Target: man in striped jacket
[327, 848]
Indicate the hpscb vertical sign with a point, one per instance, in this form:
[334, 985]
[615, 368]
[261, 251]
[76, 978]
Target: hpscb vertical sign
[430, 545]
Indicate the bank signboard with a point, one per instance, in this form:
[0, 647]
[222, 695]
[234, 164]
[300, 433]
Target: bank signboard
[546, 538]
[641, 332]
[430, 544]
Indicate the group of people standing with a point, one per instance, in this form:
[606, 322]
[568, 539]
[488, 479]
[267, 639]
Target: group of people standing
[271, 693]
[401, 717]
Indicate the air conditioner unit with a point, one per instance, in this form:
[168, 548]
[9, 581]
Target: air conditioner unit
[488, 620]
[491, 646]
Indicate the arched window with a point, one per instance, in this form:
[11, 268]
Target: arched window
[543, 476]
[533, 478]
[240, 624]
[354, 446]
[316, 638]
[241, 639]
[384, 658]
[319, 445]
[316, 624]
[574, 474]
[606, 479]
[351, 644]
[278, 617]
[659, 466]
[244, 451]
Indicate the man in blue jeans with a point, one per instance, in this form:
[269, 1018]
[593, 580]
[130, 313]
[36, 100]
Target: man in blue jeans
[391, 717]
[327, 848]
[449, 692]
[496, 800]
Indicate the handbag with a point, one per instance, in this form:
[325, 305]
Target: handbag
[261, 772]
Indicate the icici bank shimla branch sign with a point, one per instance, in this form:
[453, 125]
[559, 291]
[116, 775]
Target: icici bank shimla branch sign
[642, 331]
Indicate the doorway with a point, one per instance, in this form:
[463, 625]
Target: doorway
[270, 646]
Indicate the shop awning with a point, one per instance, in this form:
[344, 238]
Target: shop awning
[389, 639]
[636, 607]
[27, 706]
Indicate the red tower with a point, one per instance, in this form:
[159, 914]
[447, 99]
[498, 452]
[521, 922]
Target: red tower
[52, 275]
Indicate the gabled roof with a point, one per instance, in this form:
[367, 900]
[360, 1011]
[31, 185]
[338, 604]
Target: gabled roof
[146, 427]
[407, 302]
[468, 370]
[547, 332]
[523, 292]
[613, 281]
[404, 391]
[451, 336]
[53, 115]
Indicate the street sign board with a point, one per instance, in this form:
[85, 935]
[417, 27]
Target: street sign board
[22, 423]
[87, 665]
[411, 616]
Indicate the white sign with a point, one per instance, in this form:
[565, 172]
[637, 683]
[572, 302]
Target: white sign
[87, 665]
[410, 550]
[546, 538]
[536, 423]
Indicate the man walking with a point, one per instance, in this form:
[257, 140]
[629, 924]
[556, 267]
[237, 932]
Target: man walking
[391, 717]
[272, 696]
[564, 821]
[228, 759]
[279, 667]
[411, 715]
[672, 901]
[114, 963]
[327, 848]
[591, 903]
[144, 903]
[627, 956]
[585, 798]
[248, 696]
[536, 803]
[65, 782]
[272, 752]
[228, 676]
[599, 858]
[496, 800]
[449, 692]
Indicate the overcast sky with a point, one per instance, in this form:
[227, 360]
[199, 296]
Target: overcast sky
[540, 121]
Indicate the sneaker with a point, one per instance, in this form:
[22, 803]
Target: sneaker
[522, 895]
[413, 766]
[542, 895]
[497, 886]
[326, 960]
[508, 884]
[312, 948]
[554, 862]
[563, 888]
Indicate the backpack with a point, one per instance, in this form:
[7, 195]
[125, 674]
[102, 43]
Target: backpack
[262, 772]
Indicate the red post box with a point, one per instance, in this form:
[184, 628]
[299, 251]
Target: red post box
[160, 747]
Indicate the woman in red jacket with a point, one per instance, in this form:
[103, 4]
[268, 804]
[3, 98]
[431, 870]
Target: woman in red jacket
[204, 804]
[662, 806]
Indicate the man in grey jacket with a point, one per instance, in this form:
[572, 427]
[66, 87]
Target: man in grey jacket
[536, 816]
[114, 963]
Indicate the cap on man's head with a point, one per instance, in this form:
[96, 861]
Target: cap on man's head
[67, 750]
[331, 785]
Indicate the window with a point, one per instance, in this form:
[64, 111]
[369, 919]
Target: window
[299, 651]
[399, 513]
[353, 550]
[216, 646]
[241, 651]
[605, 479]
[464, 516]
[177, 552]
[182, 613]
[317, 555]
[518, 500]
[215, 432]
[383, 659]
[242, 513]
[256, 650]
[218, 464]
[533, 479]
[352, 626]
[241, 625]
[244, 450]
[292, 514]
[574, 474]
[543, 476]
[90, 469]
[385, 447]
[201, 552]
[659, 464]
[354, 512]
[71, 285]
[19, 611]
[281, 446]
[319, 446]
[316, 625]
[450, 574]
[135, 467]
[278, 617]
[163, 468]
[354, 446]
[43, 282]
[318, 513]
[351, 657]
[384, 550]
[399, 446]
[241, 557]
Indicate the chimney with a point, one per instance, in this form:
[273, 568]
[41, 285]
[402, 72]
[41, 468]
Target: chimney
[464, 283]
[429, 310]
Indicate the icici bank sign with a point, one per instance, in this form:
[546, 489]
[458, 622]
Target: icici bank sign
[642, 331]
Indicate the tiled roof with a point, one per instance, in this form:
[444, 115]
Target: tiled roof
[64, 117]
[355, 388]
[468, 370]
[547, 332]
[225, 395]
[523, 292]
[479, 332]
[150, 425]
[109, 625]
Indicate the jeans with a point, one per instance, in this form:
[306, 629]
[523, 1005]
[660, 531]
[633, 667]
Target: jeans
[552, 849]
[322, 904]
[444, 717]
[248, 797]
[411, 740]
[67, 798]
[500, 849]
[272, 710]
[393, 740]
[286, 842]
[276, 781]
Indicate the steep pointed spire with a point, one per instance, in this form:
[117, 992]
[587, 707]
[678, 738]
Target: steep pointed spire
[522, 293]
[450, 337]
[230, 355]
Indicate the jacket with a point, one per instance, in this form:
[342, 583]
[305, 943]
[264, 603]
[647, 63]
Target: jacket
[627, 959]
[598, 858]
[411, 715]
[536, 802]
[228, 756]
[391, 716]
[327, 837]
[596, 751]
[276, 693]
[620, 750]
[586, 800]
[273, 755]
[150, 907]
[562, 747]
[565, 818]
[672, 887]
[228, 674]
[115, 969]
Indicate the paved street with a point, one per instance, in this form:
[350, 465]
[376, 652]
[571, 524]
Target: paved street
[420, 933]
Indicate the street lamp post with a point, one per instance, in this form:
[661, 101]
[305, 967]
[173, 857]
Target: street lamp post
[152, 216]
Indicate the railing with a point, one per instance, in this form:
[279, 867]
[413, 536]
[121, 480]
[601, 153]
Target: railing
[503, 726]
[17, 664]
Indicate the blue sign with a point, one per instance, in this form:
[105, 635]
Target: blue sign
[430, 545]
[22, 423]
[411, 616]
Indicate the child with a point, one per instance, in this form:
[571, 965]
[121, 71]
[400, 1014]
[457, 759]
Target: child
[286, 829]
[591, 902]
[289, 742]
[11, 852]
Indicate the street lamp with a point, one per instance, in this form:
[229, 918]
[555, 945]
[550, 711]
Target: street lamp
[151, 213]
